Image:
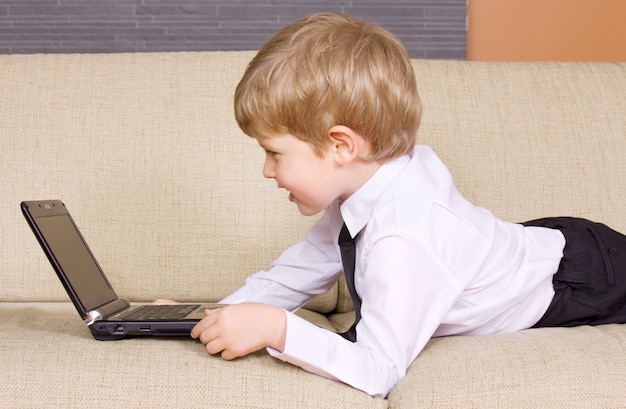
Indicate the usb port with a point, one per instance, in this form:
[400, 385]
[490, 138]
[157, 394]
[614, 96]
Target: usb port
[144, 328]
[119, 329]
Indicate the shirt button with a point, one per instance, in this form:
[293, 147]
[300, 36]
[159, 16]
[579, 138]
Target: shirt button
[613, 250]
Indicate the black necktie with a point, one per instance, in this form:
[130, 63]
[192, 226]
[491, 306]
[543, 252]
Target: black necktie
[347, 245]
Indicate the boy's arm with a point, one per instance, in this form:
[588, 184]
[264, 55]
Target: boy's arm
[405, 293]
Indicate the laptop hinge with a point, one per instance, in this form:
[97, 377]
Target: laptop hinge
[106, 310]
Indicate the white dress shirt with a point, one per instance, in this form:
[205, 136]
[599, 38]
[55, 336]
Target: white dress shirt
[429, 263]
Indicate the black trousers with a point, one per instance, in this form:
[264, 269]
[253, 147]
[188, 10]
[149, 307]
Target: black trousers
[590, 283]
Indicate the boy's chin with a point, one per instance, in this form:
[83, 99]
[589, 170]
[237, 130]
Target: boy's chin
[308, 211]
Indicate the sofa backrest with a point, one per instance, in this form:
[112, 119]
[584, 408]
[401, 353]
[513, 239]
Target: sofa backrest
[530, 139]
[144, 151]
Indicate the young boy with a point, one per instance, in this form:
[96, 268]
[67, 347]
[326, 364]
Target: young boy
[333, 102]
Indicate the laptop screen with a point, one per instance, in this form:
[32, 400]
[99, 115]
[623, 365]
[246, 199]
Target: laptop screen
[72, 256]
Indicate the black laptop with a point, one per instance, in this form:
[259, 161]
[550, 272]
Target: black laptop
[107, 316]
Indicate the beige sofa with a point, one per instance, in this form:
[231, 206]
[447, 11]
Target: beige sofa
[144, 151]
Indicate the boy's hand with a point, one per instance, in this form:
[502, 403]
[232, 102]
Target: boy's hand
[240, 329]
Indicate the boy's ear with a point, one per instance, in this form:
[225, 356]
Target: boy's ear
[345, 143]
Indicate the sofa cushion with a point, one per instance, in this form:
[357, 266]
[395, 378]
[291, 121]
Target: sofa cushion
[50, 359]
[543, 367]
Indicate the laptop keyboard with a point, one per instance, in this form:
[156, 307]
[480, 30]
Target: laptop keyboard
[159, 312]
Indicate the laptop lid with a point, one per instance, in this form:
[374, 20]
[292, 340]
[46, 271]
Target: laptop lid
[71, 258]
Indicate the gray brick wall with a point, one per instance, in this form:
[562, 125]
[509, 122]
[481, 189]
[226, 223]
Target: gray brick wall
[429, 29]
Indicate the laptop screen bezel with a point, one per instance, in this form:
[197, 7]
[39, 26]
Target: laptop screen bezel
[34, 213]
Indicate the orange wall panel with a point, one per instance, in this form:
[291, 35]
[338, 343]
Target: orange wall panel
[546, 30]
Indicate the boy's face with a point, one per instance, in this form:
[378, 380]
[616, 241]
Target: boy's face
[297, 168]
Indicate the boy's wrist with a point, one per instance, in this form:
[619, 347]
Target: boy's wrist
[278, 331]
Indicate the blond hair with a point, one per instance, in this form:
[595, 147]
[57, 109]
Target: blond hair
[331, 69]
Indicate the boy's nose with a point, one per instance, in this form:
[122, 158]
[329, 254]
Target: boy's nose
[268, 170]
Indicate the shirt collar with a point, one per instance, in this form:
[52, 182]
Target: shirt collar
[356, 211]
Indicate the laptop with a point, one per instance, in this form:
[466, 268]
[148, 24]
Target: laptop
[107, 316]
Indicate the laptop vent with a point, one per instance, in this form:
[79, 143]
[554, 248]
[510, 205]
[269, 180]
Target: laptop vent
[172, 331]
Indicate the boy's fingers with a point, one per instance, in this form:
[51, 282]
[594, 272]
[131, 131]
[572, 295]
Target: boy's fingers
[204, 323]
[228, 355]
[215, 347]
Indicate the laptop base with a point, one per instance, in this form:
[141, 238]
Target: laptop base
[113, 331]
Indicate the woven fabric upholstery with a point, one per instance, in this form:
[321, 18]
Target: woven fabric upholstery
[528, 140]
[548, 367]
